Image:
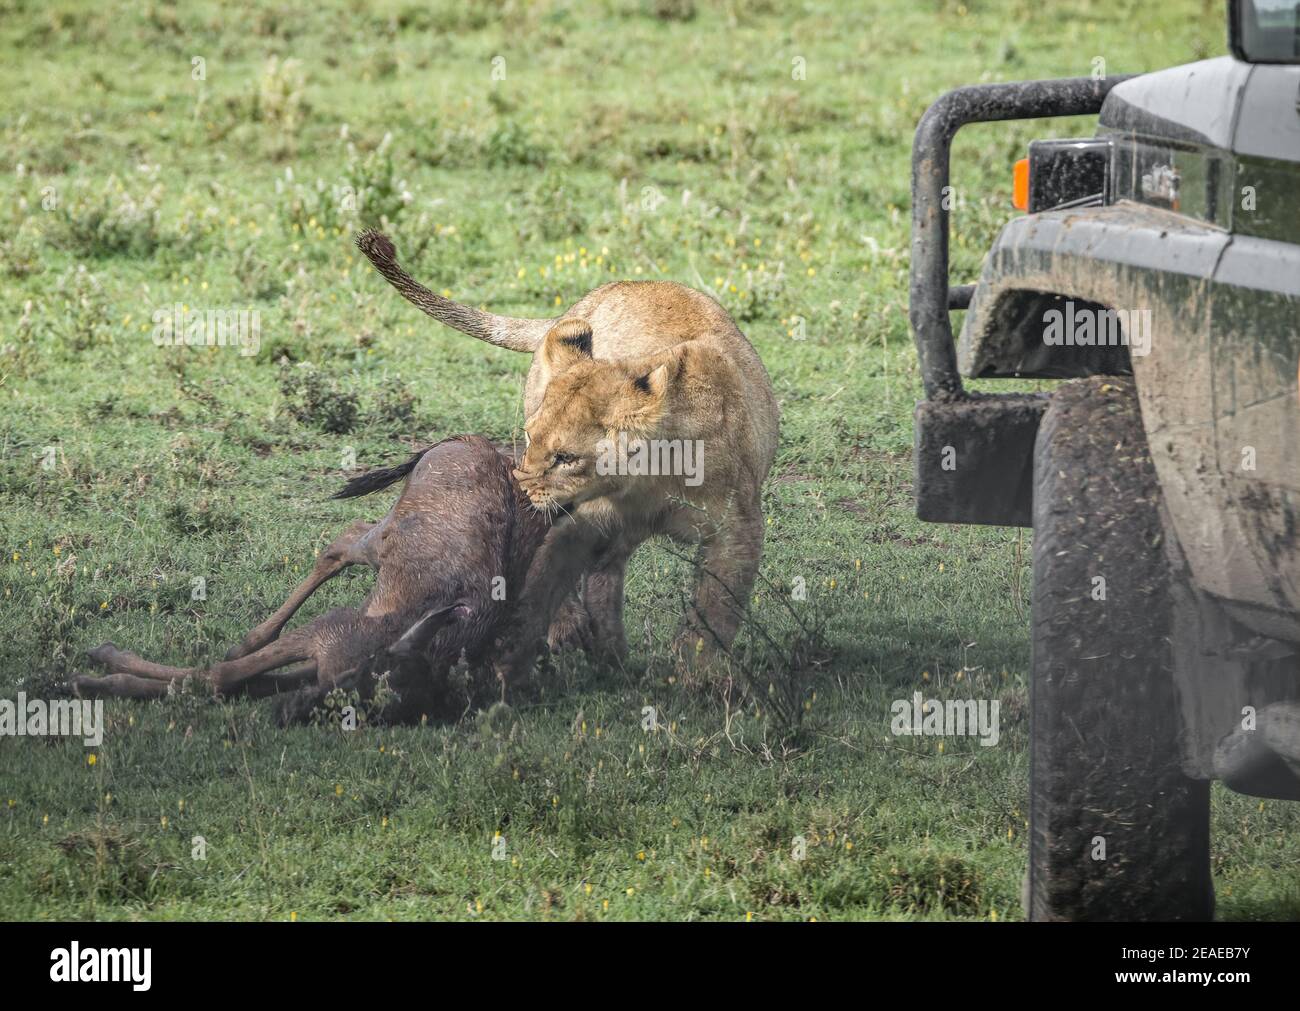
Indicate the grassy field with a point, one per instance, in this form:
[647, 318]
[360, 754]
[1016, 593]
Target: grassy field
[220, 155]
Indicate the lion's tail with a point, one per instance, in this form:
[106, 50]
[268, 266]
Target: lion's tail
[503, 331]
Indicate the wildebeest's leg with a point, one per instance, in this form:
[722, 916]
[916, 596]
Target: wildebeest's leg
[297, 707]
[278, 682]
[117, 686]
[128, 686]
[299, 644]
[350, 548]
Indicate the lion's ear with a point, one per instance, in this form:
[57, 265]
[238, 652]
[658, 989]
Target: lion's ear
[567, 343]
[640, 402]
[654, 384]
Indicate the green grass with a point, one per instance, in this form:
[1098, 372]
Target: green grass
[141, 187]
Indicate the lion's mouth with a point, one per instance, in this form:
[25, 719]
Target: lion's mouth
[556, 510]
[545, 503]
[546, 500]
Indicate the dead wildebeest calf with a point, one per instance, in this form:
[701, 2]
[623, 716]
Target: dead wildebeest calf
[460, 530]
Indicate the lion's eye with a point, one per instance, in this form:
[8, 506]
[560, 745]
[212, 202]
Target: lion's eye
[564, 459]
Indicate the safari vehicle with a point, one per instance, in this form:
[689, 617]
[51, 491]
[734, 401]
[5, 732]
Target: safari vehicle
[1157, 272]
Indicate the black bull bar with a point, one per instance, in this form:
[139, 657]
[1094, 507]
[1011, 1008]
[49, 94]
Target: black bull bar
[973, 453]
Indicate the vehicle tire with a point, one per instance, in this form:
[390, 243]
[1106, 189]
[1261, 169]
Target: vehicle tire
[1117, 832]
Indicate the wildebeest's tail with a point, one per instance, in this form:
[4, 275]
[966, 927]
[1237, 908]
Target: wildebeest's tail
[503, 331]
[382, 477]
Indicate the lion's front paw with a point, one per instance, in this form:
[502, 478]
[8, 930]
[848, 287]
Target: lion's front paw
[570, 629]
[700, 662]
[691, 648]
[513, 669]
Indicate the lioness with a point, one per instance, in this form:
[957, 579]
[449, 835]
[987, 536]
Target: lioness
[634, 369]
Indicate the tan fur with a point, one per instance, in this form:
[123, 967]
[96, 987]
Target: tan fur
[655, 360]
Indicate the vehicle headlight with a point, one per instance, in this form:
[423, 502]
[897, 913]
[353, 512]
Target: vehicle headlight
[1184, 178]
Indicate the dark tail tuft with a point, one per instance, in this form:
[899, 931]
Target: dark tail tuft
[373, 480]
[378, 247]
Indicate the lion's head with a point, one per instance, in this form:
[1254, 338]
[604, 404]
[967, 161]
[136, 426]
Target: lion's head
[587, 406]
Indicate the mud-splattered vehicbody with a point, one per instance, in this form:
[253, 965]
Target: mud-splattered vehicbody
[1158, 269]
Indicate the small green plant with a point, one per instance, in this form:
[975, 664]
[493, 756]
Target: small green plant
[199, 516]
[503, 143]
[673, 10]
[367, 192]
[394, 404]
[110, 219]
[352, 709]
[551, 210]
[258, 278]
[508, 143]
[318, 400]
[380, 195]
[80, 314]
[278, 100]
[926, 882]
[107, 864]
[20, 251]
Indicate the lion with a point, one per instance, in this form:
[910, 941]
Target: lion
[647, 412]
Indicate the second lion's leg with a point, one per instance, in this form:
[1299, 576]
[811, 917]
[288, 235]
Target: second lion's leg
[725, 572]
[555, 568]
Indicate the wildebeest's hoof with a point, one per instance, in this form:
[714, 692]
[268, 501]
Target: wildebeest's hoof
[103, 654]
[296, 708]
[288, 710]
